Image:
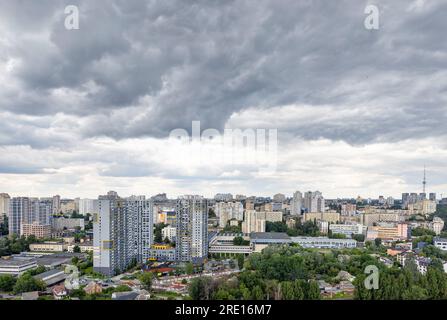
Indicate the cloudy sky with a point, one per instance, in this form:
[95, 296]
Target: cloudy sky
[357, 111]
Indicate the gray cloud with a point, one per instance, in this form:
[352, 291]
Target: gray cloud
[163, 64]
[138, 69]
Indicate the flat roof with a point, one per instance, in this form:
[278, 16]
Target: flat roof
[269, 236]
[16, 262]
[52, 261]
[48, 274]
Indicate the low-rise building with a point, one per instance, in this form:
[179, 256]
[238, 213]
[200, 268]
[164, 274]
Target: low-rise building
[440, 243]
[52, 277]
[93, 288]
[169, 232]
[329, 216]
[223, 244]
[16, 266]
[261, 240]
[62, 223]
[59, 292]
[324, 242]
[83, 247]
[162, 253]
[347, 229]
[40, 231]
[48, 246]
[389, 231]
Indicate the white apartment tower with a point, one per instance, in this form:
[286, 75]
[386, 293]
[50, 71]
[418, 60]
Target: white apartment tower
[314, 201]
[192, 228]
[297, 203]
[19, 208]
[4, 205]
[122, 233]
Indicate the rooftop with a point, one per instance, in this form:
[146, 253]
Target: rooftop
[131, 295]
[16, 261]
[269, 236]
[48, 274]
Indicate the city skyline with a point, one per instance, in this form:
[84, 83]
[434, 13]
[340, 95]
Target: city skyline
[357, 111]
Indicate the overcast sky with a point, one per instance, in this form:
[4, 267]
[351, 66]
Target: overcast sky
[357, 111]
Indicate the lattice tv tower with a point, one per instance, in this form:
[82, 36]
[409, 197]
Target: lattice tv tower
[424, 182]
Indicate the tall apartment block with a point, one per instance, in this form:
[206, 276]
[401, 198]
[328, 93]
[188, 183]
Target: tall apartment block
[30, 212]
[19, 208]
[314, 201]
[297, 203]
[4, 205]
[192, 228]
[122, 233]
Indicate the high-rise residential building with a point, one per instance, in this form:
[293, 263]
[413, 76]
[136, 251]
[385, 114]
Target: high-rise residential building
[45, 211]
[405, 200]
[253, 222]
[227, 211]
[314, 201]
[56, 204]
[85, 206]
[424, 207]
[19, 208]
[169, 232]
[297, 203]
[432, 196]
[68, 206]
[4, 205]
[122, 233]
[40, 231]
[31, 213]
[437, 225]
[348, 209]
[279, 197]
[223, 197]
[411, 198]
[390, 201]
[249, 205]
[161, 197]
[192, 228]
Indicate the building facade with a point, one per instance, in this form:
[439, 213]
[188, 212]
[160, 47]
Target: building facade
[122, 233]
[192, 228]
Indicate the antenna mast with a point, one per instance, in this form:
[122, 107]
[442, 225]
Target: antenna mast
[424, 182]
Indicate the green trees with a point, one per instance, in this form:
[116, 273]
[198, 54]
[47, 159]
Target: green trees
[122, 288]
[358, 237]
[7, 283]
[419, 231]
[275, 226]
[189, 268]
[4, 229]
[233, 229]
[239, 241]
[15, 244]
[38, 270]
[158, 237]
[404, 284]
[240, 261]
[201, 288]
[26, 283]
[146, 279]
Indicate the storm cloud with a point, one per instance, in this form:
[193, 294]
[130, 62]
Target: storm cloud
[135, 70]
